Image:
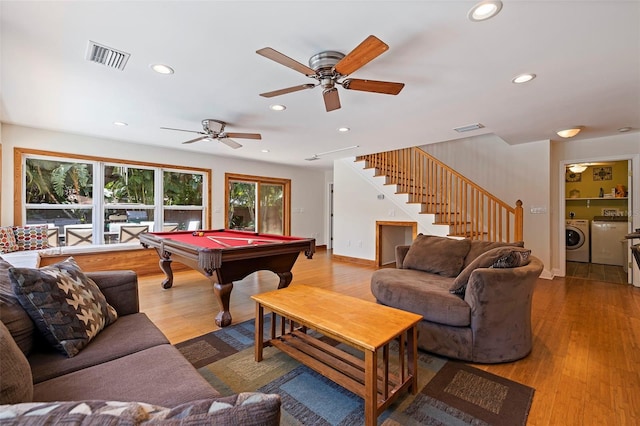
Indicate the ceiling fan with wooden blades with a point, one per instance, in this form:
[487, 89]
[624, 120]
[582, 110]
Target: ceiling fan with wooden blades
[330, 68]
[214, 130]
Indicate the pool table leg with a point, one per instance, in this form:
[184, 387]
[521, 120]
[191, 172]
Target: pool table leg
[223, 294]
[285, 279]
[165, 265]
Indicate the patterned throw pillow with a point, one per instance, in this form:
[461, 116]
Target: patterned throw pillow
[513, 259]
[489, 259]
[244, 408]
[31, 237]
[8, 242]
[66, 306]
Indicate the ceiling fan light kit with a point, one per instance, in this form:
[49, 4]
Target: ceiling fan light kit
[329, 68]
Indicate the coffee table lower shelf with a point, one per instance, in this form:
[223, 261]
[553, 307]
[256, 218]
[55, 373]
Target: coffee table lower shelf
[343, 368]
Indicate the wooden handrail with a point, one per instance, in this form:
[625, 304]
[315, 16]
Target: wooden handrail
[468, 209]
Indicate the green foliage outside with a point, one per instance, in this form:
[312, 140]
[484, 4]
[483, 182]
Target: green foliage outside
[182, 189]
[242, 198]
[128, 185]
[55, 182]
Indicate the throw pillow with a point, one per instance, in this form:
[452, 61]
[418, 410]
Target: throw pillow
[8, 242]
[438, 255]
[66, 305]
[488, 259]
[244, 408]
[12, 314]
[16, 382]
[479, 247]
[31, 237]
[513, 259]
[79, 413]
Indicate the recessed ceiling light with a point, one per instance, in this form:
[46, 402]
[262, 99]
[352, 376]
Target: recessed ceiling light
[162, 69]
[569, 133]
[264, 150]
[523, 78]
[277, 107]
[624, 129]
[120, 123]
[343, 129]
[484, 10]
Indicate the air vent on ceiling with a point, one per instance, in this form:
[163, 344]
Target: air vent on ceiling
[106, 56]
[469, 128]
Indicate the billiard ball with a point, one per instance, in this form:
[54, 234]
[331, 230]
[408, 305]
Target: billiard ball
[249, 241]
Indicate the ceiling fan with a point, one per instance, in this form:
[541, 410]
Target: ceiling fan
[214, 129]
[330, 68]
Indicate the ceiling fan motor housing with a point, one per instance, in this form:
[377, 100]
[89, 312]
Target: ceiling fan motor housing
[211, 125]
[323, 64]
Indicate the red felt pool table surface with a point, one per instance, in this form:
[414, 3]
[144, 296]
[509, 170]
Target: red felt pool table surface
[226, 255]
[220, 239]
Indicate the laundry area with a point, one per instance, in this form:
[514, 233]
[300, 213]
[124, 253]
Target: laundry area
[597, 209]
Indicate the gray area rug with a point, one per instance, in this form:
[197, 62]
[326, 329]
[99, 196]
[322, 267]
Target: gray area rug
[451, 393]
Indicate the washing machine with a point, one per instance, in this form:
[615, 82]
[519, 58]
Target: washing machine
[577, 240]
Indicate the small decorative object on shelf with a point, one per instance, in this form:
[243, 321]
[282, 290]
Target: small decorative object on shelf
[601, 194]
[620, 191]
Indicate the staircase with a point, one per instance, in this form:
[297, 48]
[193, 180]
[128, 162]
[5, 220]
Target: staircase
[469, 210]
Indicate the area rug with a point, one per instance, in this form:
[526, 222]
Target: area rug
[450, 393]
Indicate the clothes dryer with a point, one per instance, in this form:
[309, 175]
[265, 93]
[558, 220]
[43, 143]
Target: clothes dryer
[609, 245]
[577, 240]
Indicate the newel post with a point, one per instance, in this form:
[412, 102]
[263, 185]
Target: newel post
[519, 222]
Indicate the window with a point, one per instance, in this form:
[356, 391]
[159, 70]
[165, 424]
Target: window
[270, 214]
[101, 195]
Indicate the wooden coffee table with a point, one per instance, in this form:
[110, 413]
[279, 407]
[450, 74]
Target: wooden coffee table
[364, 325]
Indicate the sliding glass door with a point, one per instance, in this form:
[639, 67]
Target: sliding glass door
[258, 204]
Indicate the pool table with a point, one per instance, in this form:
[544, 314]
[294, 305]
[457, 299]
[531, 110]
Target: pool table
[227, 255]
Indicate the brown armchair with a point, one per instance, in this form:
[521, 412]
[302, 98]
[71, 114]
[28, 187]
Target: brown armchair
[489, 323]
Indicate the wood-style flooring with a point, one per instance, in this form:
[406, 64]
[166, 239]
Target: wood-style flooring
[585, 362]
[597, 272]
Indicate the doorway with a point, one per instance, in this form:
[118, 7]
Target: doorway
[390, 234]
[597, 195]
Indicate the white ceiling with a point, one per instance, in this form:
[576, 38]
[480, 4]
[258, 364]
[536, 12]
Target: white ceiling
[586, 55]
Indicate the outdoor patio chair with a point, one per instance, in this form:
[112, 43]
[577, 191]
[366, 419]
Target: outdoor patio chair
[78, 236]
[130, 233]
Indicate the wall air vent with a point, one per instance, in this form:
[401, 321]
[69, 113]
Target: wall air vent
[469, 128]
[106, 56]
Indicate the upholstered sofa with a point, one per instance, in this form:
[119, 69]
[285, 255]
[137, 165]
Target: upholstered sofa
[475, 296]
[127, 369]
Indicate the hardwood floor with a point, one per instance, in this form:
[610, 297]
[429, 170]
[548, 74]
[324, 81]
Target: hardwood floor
[585, 362]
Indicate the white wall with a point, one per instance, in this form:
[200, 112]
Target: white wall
[510, 172]
[357, 208]
[308, 198]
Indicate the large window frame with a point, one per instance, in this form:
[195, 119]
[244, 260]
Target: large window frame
[98, 204]
[261, 180]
